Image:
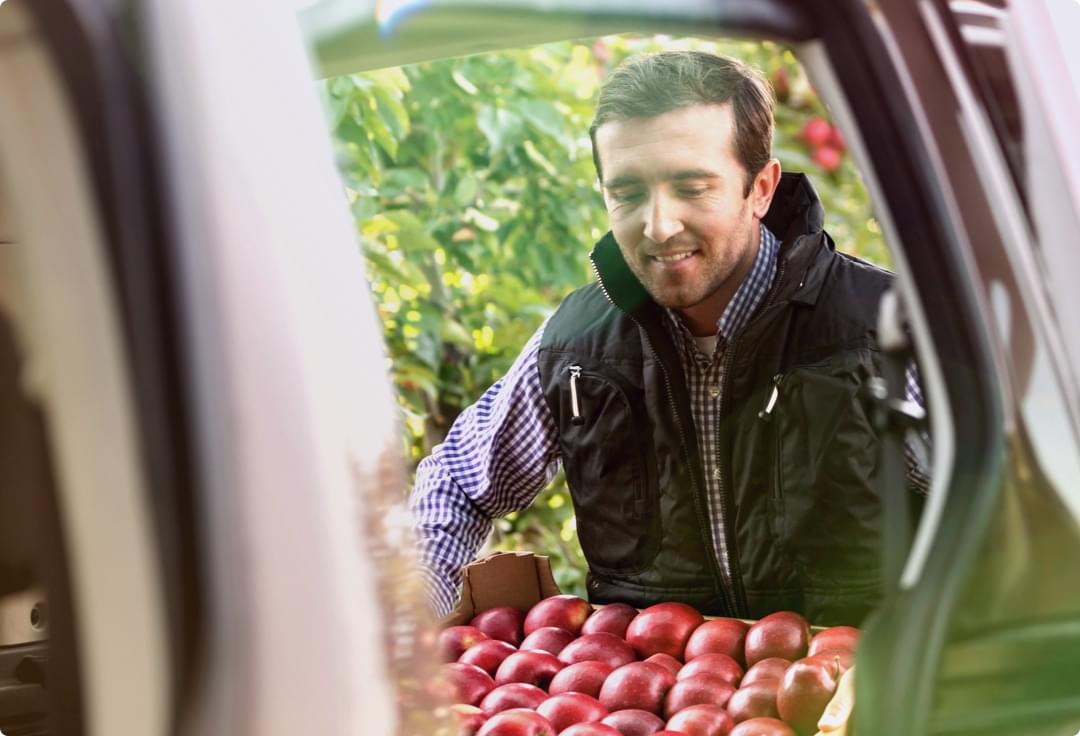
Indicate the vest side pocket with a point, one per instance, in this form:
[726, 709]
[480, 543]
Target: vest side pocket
[603, 450]
[825, 467]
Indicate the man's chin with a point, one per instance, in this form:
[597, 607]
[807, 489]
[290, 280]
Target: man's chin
[673, 301]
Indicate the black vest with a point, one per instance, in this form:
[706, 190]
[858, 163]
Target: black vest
[801, 509]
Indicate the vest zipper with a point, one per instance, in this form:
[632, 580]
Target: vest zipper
[766, 413]
[725, 506]
[726, 590]
[778, 448]
[575, 410]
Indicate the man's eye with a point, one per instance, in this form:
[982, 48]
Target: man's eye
[691, 191]
[626, 197]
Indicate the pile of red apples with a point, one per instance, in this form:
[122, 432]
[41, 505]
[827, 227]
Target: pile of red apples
[565, 669]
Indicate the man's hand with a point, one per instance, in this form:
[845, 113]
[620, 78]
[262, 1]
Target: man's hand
[834, 721]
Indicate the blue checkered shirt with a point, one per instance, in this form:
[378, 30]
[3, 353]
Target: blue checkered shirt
[503, 450]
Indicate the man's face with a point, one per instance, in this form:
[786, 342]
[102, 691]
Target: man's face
[674, 192]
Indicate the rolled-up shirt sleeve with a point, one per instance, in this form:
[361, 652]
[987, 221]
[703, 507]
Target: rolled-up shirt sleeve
[499, 454]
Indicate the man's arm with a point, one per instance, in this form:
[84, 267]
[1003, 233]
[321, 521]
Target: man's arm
[495, 459]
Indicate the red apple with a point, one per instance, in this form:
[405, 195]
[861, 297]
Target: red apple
[758, 699]
[468, 718]
[770, 668]
[564, 611]
[697, 690]
[722, 636]
[816, 131]
[454, 640]
[550, 639]
[512, 695]
[762, 727]
[667, 661]
[503, 623]
[589, 729]
[701, 720]
[534, 667]
[843, 658]
[487, 655]
[714, 663]
[470, 682]
[583, 677]
[610, 619]
[566, 709]
[781, 634]
[635, 722]
[636, 685]
[836, 637]
[665, 627]
[600, 647]
[806, 689]
[827, 158]
[517, 722]
[836, 140]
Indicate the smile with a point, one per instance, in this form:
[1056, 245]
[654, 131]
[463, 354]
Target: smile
[673, 258]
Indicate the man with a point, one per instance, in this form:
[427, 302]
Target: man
[704, 394]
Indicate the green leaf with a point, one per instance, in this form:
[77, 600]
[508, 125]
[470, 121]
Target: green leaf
[499, 126]
[380, 132]
[393, 111]
[466, 189]
[411, 232]
[454, 332]
[401, 180]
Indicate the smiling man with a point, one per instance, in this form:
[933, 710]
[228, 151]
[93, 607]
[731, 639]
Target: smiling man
[704, 394]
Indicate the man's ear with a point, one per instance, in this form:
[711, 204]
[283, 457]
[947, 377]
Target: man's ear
[764, 188]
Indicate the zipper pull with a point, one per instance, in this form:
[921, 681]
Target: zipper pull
[766, 413]
[575, 418]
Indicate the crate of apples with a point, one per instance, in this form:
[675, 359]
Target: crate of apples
[561, 667]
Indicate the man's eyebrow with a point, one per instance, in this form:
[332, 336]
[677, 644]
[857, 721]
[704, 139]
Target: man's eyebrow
[621, 181]
[684, 175]
[694, 174]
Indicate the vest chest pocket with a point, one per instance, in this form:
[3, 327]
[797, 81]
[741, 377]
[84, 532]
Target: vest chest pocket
[604, 444]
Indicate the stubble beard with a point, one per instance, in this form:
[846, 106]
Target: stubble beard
[712, 275]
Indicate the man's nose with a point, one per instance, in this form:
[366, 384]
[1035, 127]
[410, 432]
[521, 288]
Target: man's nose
[662, 221]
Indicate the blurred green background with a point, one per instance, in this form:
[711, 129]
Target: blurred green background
[476, 203]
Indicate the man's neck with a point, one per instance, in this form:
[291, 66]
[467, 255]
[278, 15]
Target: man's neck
[702, 318]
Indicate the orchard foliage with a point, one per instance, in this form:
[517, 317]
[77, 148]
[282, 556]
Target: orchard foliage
[476, 204]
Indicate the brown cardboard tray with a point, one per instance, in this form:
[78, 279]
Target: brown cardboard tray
[518, 579]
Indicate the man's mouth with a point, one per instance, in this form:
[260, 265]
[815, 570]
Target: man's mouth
[672, 257]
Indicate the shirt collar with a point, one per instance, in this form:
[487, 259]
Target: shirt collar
[750, 293]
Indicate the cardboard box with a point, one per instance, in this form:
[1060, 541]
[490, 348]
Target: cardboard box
[518, 579]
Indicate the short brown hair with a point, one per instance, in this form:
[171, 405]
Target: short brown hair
[651, 85]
